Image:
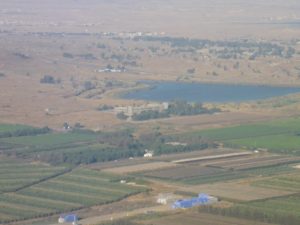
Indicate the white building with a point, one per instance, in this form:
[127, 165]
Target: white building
[165, 198]
[148, 154]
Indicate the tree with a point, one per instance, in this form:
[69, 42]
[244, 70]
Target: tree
[122, 116]
[191, 71]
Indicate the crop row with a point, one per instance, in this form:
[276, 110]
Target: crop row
[62, 194]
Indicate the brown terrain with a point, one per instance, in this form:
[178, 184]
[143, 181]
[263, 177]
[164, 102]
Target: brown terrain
[35, 40]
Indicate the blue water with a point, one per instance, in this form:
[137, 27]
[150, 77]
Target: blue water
[203, 92]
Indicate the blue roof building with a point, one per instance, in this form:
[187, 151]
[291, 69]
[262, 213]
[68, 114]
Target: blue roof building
[202, 199]
[70, 218]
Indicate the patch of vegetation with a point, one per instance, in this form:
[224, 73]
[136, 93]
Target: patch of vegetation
[105, 107]
[122, 116]
[48, 79]
[225, 49]
[177, 108]
[23, 131]
[68, 55]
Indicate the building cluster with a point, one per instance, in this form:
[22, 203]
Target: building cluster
[131, 110]
[202, 199]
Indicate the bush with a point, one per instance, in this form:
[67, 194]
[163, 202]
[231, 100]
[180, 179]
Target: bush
[47, 79]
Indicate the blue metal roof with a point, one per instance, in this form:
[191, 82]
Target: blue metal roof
[70, 218]
[202, 199]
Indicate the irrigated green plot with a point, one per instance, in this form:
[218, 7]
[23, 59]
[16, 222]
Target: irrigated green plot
[284, 143]
[277, 136]
[77, 189]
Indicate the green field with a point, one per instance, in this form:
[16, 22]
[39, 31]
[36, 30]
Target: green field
[231, 175]
[277, 136]
[288, 182]
[51, 140]
[278, 210]
[12, 127]
[78, 189]
[73, 147]
[283, 210]
[15, 174]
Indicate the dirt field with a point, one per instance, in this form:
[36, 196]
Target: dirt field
[140, 168]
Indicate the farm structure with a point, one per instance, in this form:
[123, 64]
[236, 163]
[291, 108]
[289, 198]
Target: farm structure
[165, 198]
[70, 219]
[202, 199]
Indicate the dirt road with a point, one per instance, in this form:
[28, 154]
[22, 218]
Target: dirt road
[98, 219]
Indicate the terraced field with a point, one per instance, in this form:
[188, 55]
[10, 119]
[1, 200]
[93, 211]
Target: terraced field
[15, 174]
[78, 189]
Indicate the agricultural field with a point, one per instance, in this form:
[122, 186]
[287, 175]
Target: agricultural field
[232, 175]
[195, 218]
[212, 168]
[73, 147]
[281, 136]
[183, 172]
[289, 182]
[79, 189]
[53, 140]
[254, 162]
[140, 167]
[15, 174]
[281, 210]
[12, 127]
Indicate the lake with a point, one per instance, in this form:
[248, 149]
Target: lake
[204, 92]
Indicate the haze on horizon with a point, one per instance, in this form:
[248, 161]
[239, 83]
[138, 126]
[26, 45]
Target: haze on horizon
[193, 18]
